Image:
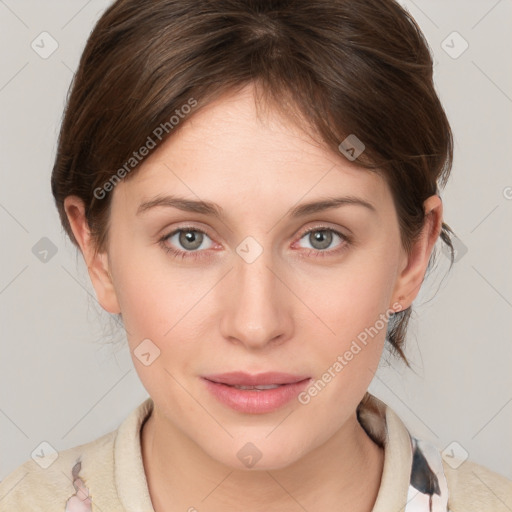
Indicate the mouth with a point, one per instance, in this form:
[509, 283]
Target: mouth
[268, 380]
[256, 388]
[254, 394]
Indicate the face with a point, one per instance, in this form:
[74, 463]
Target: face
[262, 287]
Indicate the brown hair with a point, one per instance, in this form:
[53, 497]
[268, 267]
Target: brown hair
[336, 67]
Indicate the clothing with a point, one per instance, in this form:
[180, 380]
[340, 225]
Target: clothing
[107, 474]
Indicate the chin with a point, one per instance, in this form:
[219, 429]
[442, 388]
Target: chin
[259, 455]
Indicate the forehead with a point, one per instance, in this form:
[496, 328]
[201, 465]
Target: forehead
[232, 147]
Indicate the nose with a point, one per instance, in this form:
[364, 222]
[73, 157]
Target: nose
[258, 305]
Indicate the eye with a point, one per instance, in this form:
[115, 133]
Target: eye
[321, 238]
[185, 242]
[188, 242]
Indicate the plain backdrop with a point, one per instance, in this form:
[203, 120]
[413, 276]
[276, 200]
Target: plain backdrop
[66, 376]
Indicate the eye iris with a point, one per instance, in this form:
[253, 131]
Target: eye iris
[195, 237]
[324, 237]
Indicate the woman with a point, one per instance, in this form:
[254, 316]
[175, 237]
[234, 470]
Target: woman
[254, 188]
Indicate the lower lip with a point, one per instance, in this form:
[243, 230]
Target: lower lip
[256, 402]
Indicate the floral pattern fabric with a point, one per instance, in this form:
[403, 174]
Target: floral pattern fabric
[428, 489]
[81, 501]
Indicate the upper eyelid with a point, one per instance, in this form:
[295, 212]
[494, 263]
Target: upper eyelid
[322, 228]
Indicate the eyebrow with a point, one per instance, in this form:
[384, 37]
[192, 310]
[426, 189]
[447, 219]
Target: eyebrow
[208, 208]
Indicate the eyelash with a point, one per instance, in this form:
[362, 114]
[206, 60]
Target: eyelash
[346, 241]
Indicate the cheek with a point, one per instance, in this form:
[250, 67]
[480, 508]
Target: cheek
[172, 304]
[353, 307]
[351, 296]
[159, 307]
[152, 292]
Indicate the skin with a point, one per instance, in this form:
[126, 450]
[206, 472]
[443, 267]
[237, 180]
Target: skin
[286, 311]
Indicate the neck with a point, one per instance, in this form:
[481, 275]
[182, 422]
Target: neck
[342, 474]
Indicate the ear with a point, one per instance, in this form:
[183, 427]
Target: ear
[97, 263]
[415, 264]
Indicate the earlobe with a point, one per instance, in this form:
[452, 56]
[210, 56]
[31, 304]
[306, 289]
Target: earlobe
[412, 274]
[97, 263]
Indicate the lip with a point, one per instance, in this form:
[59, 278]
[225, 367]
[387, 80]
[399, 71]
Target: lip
[253, 401]
[260, 379]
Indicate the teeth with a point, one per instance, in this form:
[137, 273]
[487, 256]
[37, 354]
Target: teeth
[258, 388]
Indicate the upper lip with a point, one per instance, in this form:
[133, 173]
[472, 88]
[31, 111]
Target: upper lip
[259, 379]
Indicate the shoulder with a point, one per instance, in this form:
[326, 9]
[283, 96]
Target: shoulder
[465, 485]
[473, 487]
[48, 480]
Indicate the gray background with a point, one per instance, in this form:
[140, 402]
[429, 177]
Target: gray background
[63, 381]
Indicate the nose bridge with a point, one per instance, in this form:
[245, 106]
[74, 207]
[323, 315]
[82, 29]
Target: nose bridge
[255, 316]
